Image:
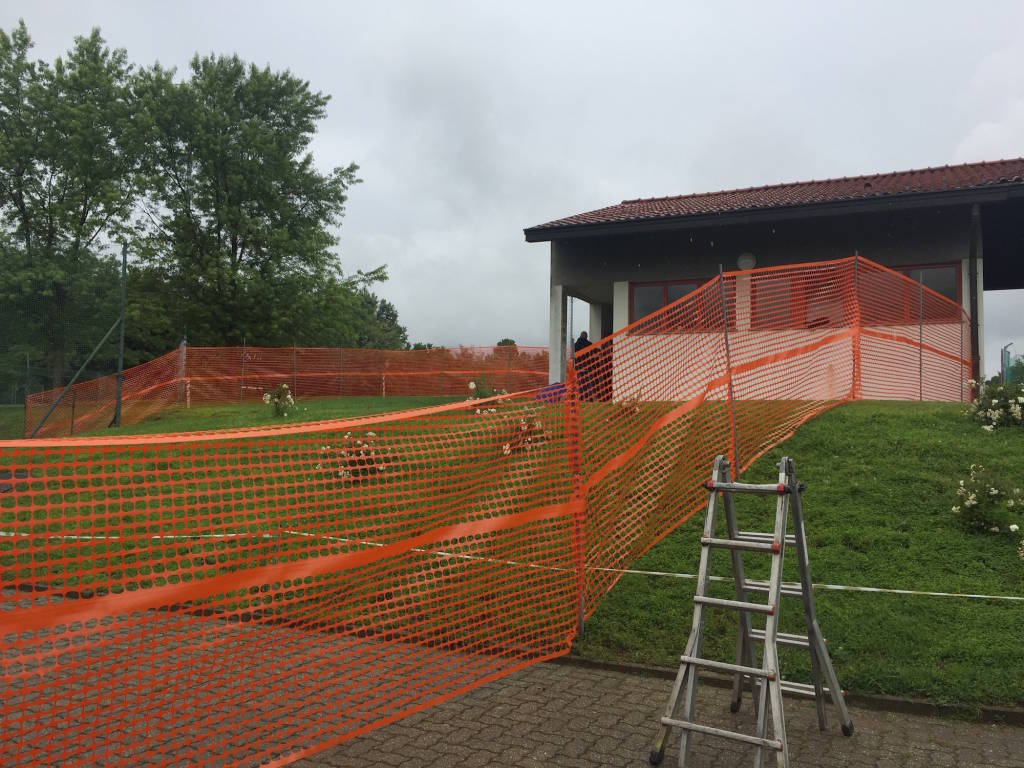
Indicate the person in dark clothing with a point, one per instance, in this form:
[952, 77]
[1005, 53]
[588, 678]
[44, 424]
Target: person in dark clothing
[582, 342]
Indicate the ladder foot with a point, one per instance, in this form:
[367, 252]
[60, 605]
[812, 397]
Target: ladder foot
[847, 729]
[656, 756]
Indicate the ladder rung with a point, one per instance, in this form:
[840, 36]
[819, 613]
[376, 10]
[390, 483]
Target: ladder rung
[782, 638]
[737, 605]
[788, 588]
[759, 536]
[722, 734]
[723, 666]
[749, 546]
[765, 489]
[804, 689]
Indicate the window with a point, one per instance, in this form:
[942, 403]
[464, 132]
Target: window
[944, 279]
[646, 298]
[776, 302]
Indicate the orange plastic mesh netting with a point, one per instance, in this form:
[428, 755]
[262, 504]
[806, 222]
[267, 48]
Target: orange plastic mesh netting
[254, 596]
[205, 375]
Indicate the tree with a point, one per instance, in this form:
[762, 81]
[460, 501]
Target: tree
[67, 185]
[506, 343]
[238, 218]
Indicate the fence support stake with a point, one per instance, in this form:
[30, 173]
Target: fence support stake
[857, 390]
[728, 366]
[120, 346]
[572, 431]
[241, 382]
[920, 336]
[960, 364]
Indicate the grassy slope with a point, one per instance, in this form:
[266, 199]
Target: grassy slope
[881, 479]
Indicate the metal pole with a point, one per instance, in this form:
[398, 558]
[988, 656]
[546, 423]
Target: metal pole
[182, 352]
[857, 389]
[72, 429]
[294, 381]
[728, 364]
[120, 345]
[572, 429]
[920, 335]
[341, 363]
[960, 363]
[241, 383]
[75, 377]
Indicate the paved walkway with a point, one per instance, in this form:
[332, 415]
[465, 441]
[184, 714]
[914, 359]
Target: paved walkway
[569, 717]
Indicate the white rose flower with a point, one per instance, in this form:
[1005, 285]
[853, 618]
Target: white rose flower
[472, 385]
[266, 398]
[988, 427]
[1014, 528]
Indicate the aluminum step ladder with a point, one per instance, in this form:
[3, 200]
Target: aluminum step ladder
[766, 682]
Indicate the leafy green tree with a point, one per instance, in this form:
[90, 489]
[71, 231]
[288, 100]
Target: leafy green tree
[506, 342]
[67, 186]
[238, 217]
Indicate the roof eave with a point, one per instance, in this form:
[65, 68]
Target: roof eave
[990, 194]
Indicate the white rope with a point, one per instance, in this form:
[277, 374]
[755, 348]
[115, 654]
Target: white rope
[441, 553]
[828, 587]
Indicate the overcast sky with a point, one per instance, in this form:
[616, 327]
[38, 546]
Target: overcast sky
[471, 121]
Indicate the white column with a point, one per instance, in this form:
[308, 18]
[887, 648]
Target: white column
[556, 334]
[596, 315]
[620, 304]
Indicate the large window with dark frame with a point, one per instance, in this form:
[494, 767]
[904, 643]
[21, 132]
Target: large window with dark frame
[944, 279]
[645, 298]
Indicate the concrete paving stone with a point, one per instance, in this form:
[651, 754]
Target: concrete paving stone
[560, 715]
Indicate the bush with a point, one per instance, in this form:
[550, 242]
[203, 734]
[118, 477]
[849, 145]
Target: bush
[280, 399]
[984, 503]
[479, 390]
[997, 404]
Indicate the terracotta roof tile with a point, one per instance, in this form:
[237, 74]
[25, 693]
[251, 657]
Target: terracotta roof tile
[941, 179]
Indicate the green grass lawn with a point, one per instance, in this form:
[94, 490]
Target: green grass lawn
[257, 414]
[880, 484]
[12, 422]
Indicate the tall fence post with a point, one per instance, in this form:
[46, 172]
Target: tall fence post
[120, 346]
[960, 360]
[856, 385]
[182, 351]
[920, 336]
[572, 433]
[341, 372]
[295, 384]
[728, 367]
[71, 429]
[241, 381]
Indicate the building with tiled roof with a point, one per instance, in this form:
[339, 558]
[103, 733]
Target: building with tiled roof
[959, 229]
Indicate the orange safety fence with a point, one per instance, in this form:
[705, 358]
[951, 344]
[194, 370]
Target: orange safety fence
[205, 375]
[255, 596]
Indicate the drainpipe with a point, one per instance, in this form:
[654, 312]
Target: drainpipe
[972, 279]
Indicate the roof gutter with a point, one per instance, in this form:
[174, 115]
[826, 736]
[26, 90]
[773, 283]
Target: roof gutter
[990, 194]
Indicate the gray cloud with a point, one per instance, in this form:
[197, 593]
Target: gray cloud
[471, 121]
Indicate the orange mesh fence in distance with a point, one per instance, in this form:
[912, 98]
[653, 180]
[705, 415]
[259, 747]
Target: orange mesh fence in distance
[212, 375]
[254, 596]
